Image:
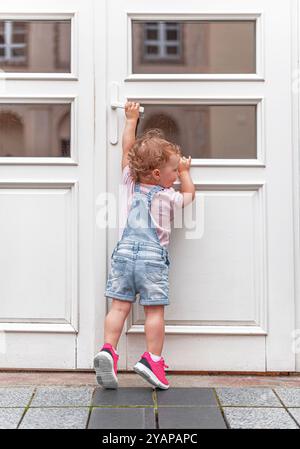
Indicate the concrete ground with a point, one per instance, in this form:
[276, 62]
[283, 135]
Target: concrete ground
[34, 400]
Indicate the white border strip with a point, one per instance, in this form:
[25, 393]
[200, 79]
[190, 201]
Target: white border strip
[73, 16]
[258, 16]
[63, 99]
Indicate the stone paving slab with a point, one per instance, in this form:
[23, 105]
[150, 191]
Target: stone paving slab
[62, 396]
[289, 396]
[122, 418]
[123, 396]
[15, 396]
[296, 414]
[10, 417]
[55, 418]
[190, 418]
[248, 397]
[77, 407]
[259, 418]
[186, 397]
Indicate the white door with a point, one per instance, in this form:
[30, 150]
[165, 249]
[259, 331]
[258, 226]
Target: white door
[216, 77]
[46, 179]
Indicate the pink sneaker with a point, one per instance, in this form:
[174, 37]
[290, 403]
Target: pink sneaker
[153, 372]
[105, 364]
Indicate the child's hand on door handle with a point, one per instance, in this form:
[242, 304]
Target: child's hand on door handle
[184, 164]
[132, 110]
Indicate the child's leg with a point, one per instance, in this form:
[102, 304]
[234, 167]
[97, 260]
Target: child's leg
[114, 321]
[154, 328]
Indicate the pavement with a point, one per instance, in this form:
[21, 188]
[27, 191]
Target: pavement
[73, 400]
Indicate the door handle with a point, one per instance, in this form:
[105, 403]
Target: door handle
[122, 106]
[115, 104]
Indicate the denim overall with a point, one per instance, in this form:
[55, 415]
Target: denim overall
[139, 263]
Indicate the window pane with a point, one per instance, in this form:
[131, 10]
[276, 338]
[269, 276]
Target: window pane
[204, 47]
[19, 25]
[205, 131]
[35, 130]
[18, 52]
[151, 49]
[152, 34]
[19, 38]
[171, 50]
[46, 43]
[171, 35]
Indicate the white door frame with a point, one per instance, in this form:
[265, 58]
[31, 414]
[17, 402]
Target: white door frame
[277, 354]
[100, 172]
[71, 345]
[58, 336]
[295, 67]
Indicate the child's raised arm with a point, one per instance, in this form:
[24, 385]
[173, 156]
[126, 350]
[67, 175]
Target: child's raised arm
[128, 139]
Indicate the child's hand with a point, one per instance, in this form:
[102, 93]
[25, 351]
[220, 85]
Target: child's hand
[132, 110]
[184, 164]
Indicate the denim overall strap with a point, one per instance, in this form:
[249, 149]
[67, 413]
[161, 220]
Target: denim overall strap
[149, 196]
[152, 192]
[140, 226]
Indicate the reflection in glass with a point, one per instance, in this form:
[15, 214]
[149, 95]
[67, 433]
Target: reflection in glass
[35, 130]
[161, 41]
[35, 46]
[221, 46]
[205, 131]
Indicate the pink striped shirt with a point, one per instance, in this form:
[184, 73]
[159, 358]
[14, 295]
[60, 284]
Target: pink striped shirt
[162, 206]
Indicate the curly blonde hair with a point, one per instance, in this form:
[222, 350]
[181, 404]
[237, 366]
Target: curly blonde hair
[151, 150]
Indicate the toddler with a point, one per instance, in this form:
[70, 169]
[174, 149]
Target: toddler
[140, 259]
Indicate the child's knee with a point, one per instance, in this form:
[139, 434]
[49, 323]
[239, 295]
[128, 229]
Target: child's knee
[121, 306]
[157, 310]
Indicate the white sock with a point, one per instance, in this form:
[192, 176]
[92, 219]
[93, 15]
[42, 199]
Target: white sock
[154, 357]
